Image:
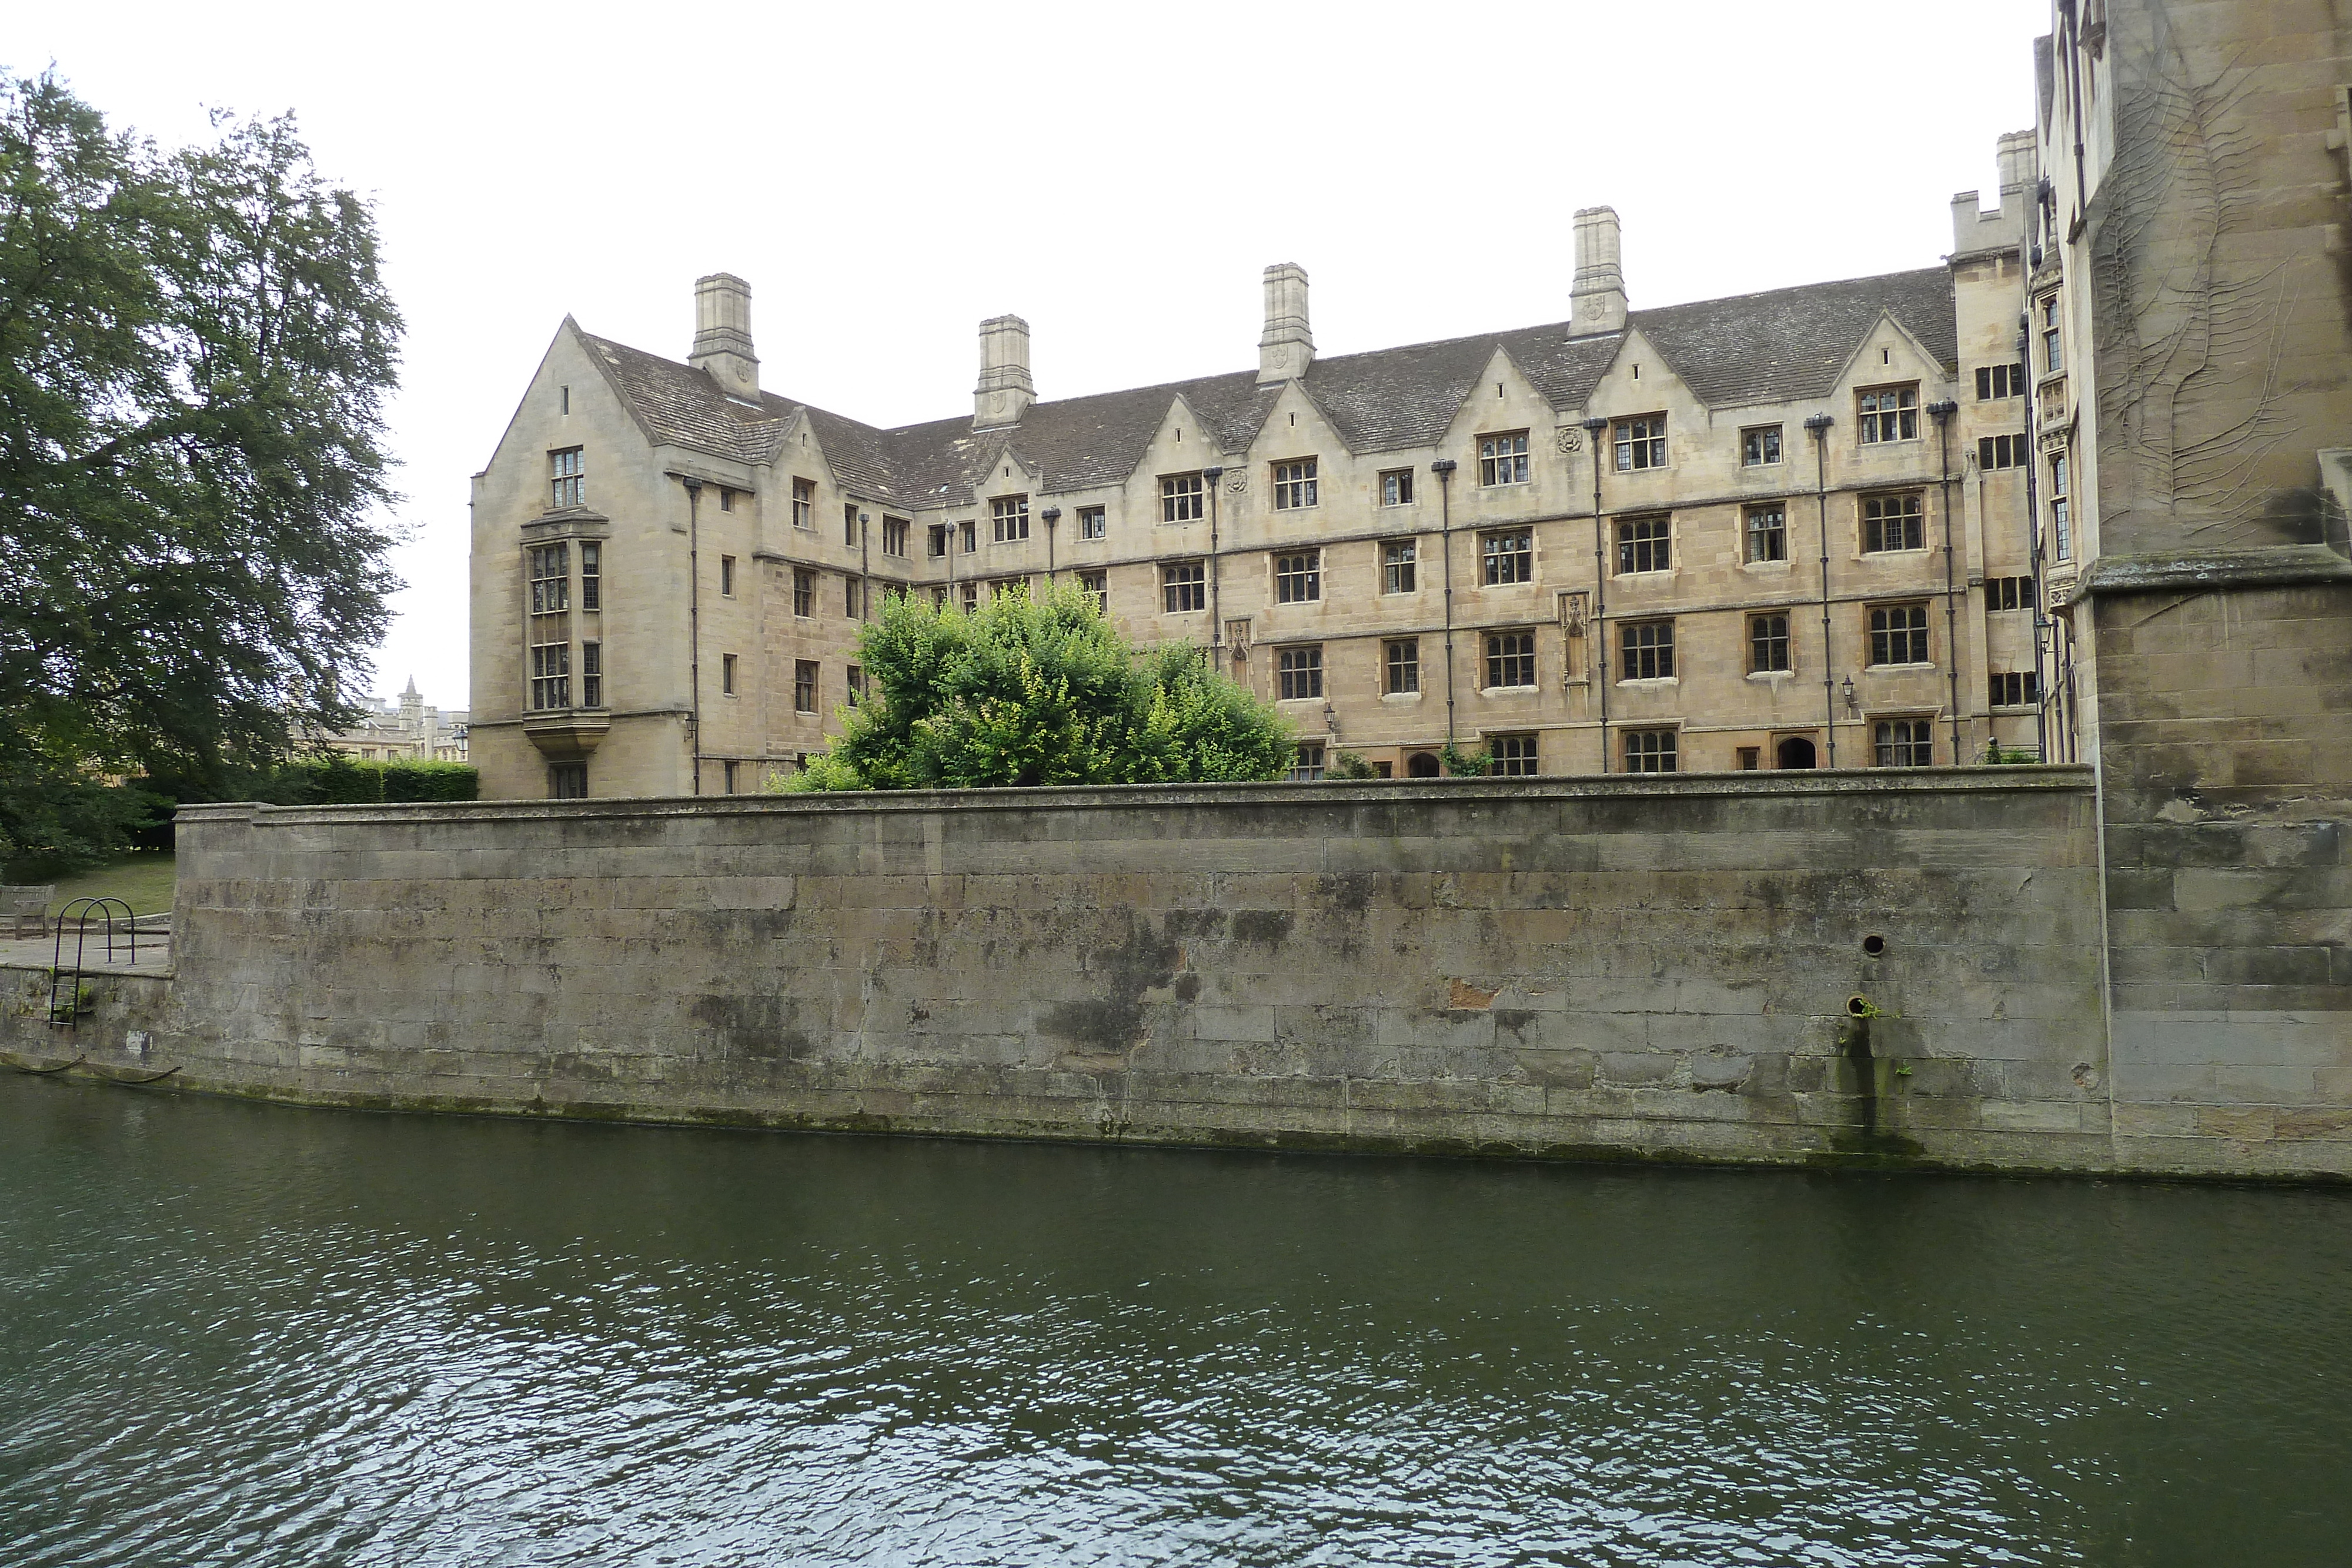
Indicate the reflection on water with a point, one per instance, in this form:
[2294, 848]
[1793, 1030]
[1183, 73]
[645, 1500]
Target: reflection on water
[248, 1335]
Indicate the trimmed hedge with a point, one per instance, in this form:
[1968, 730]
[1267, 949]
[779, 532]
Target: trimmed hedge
[338, 781]
[333, 780]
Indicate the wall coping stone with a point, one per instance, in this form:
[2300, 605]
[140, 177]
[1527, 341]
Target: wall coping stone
[1821, 783]
[2256, 567]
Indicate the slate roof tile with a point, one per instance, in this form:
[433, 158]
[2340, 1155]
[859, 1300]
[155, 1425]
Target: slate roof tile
[683, 407]
[1790, 343]
[1785, 345]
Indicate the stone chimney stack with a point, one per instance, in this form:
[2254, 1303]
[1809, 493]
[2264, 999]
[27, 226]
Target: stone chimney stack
[722, 334]
[1597, 302]
[1287, 346]
[2016, 154]
[1005, 390]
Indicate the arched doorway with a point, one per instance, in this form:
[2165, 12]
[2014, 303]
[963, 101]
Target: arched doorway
[1422, 765]
[1795, 752]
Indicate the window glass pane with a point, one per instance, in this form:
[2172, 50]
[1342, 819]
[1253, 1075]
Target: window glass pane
[1643, 544]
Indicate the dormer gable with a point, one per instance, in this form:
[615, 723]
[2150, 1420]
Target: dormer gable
[1639, 380]
[800, 452]
[1890, 351]
[1182, 443]
[1006, 472]
[1503, 397]
[1295, 425]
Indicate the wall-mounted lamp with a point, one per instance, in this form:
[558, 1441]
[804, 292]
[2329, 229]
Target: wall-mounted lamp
[1853, 708]
[1330, 722]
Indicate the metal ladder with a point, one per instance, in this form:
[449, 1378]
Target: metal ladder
[82, 911]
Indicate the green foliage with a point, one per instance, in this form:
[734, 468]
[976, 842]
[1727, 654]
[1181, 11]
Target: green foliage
[338, 781]
[1032, 692]
[1995, 756]
[1347, 765]
[55, 818]
[196, 349]
[1461, 764]
[430, 781]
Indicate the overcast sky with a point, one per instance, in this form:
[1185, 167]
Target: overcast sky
[887, 176]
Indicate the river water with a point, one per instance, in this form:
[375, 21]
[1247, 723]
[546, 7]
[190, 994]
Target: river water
[253, 1335]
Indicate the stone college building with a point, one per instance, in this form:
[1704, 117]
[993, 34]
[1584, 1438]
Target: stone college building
[1794, 529]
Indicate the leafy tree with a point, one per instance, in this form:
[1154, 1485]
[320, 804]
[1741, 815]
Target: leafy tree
[1023, 691]
[195, 348]
[53, 816]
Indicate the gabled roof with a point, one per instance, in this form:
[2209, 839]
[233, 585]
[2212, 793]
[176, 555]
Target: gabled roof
[1075, 443]
[1792, 343]
[1786, 345]
[683, 407]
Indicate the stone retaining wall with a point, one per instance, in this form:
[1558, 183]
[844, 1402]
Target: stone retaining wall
[1650, 968]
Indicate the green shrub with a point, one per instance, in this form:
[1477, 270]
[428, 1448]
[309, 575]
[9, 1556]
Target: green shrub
[432, 781]
[1029, 692]
[1461, 764]
[340, 780]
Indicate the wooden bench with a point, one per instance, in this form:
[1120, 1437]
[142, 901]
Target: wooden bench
[27, 909]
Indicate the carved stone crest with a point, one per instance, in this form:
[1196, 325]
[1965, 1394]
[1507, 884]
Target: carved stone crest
[1568, 438]
[1236, 481]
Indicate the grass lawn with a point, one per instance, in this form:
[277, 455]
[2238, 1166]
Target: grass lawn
[143, 882]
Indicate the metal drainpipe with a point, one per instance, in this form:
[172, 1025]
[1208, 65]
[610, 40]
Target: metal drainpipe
[2064, 666]
[1443, 469]
[694, 625]
[1051, 515]
[1601, 665]
[2034, 527]
[2075, 108]
[1818, 428]
[1942, 413]
[864, 567]
[1208, 478]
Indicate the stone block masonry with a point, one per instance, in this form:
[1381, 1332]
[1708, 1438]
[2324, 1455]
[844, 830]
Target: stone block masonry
[1653, 967]
[2229, 865]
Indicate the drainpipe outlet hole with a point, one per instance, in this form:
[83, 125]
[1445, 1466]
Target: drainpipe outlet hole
[1858, 1006]
[1873, 946]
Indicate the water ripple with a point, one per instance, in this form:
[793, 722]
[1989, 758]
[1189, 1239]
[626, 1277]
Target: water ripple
[251, 1336]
